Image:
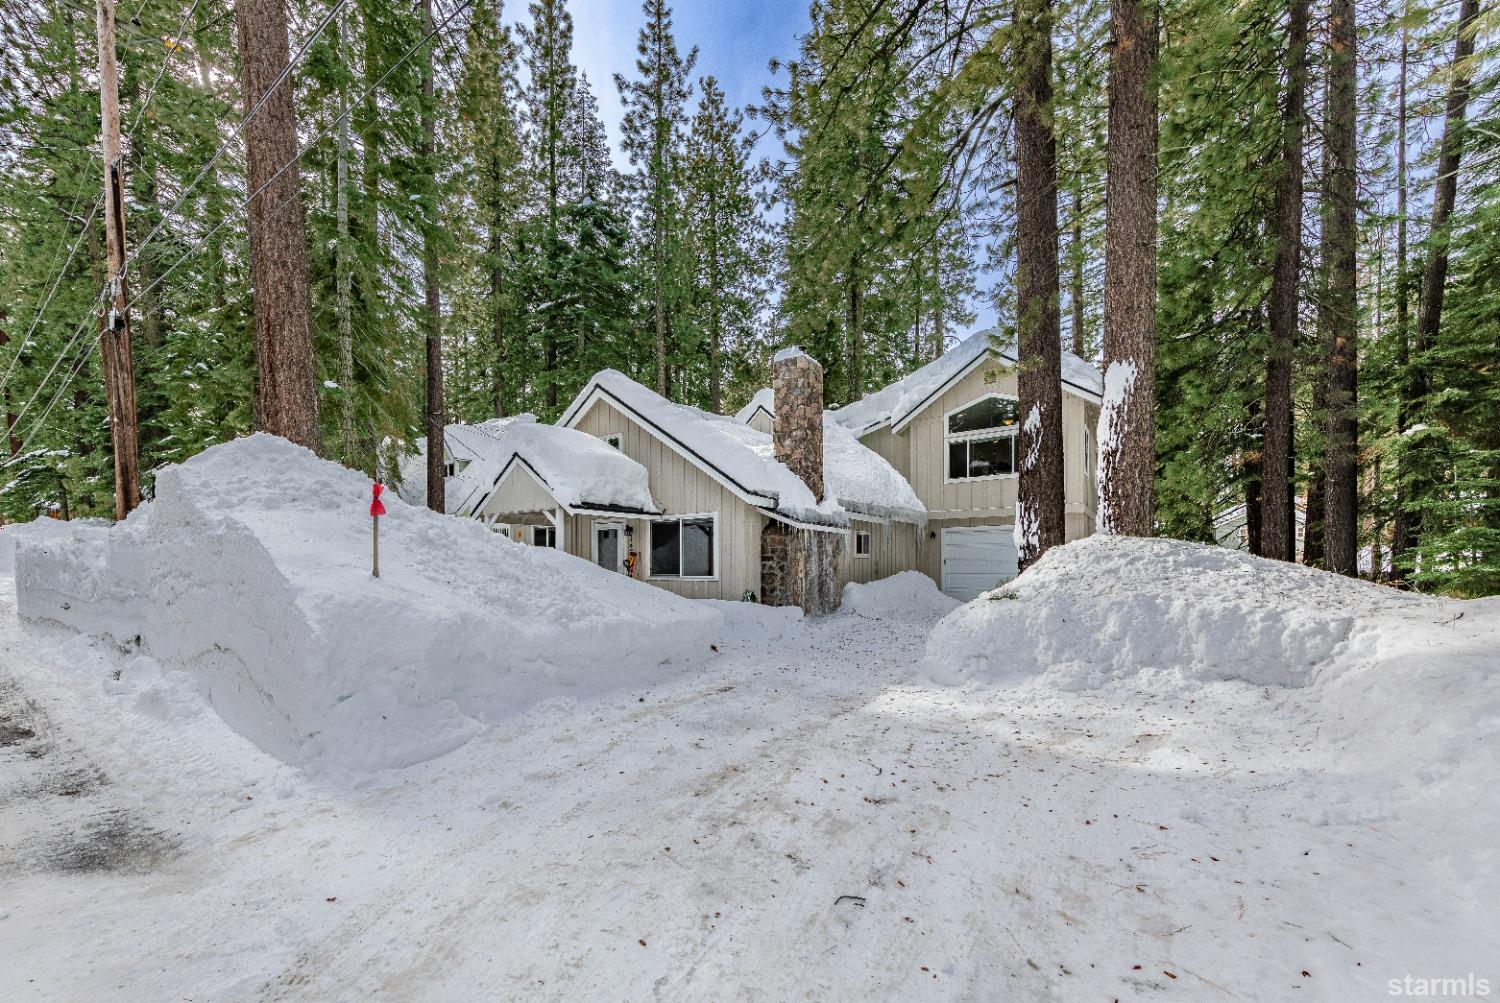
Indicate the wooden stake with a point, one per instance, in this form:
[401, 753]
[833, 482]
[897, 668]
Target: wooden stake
[114, 331]
[375, 567]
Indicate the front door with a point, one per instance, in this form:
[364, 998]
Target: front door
[609, 546]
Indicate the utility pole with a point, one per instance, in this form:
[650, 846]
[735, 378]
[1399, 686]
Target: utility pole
[114, 321]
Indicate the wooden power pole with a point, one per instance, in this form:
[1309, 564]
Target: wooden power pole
[114, 321]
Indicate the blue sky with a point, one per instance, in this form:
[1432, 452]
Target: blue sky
[735, 41]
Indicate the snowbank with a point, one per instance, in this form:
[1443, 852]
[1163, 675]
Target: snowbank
[1105, 608]
[37, 529]
[909, 595]
[251, 570]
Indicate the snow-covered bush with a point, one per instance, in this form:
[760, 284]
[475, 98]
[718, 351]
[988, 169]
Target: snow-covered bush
[251, 569]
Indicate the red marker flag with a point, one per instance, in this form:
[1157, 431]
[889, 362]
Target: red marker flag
[377, 509]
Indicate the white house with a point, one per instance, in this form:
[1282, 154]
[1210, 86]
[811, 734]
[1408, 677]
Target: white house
[783, 504]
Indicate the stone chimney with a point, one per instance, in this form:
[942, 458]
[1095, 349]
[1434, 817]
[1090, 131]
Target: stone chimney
[798, 566]
[797, 430]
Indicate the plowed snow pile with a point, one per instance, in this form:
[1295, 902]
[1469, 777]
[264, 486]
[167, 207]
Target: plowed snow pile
[251, 570]
[909, 595]
[1106, 608]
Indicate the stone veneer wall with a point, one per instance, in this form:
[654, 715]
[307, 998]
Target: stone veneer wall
[801, 567]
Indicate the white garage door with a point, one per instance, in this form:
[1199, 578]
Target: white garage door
[976, 559]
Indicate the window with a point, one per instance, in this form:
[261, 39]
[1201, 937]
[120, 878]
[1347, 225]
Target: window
[982, 439]
[683, 548]
[449, 469]
[543, 536]
[613, 440]
[861, 544]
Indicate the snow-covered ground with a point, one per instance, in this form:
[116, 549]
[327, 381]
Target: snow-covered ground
[814, 810]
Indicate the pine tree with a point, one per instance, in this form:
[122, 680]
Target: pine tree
[1127, 441]
[1278, 529]
[728, 244]
[1340, 516]
[1039, 495]
[486, 332]
[653, 127]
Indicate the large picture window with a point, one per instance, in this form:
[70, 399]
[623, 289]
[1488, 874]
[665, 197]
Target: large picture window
[683, 548]
[981, 439]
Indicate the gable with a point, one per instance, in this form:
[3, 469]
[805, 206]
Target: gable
[603, 413]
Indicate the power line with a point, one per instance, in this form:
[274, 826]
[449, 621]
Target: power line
[240, 127]
[166, 61]
[77, 333]
[57, 281]
[41, 420]
[78, 364]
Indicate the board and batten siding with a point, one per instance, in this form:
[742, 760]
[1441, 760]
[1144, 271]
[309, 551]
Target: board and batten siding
[679, 488]
[517, 495]
[925, 460]
[893, 549]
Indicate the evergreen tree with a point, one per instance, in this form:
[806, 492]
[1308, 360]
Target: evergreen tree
[654, 128]
[728, 246]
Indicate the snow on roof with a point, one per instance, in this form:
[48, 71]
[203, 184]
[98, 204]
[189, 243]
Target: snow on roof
[763, 399]
[790, 352]
[862, 480]
[580, 470]
[857, 479]
[477, 454]
[737, 452]
[902, 399]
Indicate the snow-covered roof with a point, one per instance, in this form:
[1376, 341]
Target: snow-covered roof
[578, 470]
[762, 401]
[743, 459]
[862, 480]
[475, 450]
[902, 400]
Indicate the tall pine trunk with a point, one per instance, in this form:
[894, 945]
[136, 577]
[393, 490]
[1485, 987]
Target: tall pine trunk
[1435, 274]
[1400, 520]
[715, 302]
[1127, 421]
[1341, 458]
[856, 323]
[342, 306]
[1278, 528]
[1039, 496]
[433, 320]
[286, 387]
[1075, 293]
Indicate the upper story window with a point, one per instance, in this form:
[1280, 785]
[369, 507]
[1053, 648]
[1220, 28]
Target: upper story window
[981, 438]
[613, 440]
